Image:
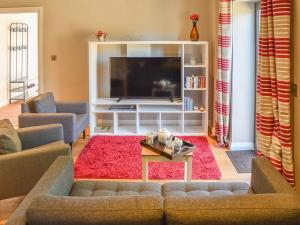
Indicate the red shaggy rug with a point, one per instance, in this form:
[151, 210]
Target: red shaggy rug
[118, 157]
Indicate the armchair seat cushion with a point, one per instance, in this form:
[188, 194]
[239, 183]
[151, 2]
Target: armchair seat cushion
[9, 139]
[105, 188]
[205, 189]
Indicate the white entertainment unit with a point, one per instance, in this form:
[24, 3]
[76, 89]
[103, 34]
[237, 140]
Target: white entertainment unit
[148, 115]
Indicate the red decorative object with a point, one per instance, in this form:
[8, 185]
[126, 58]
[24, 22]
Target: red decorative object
[194, 36]
[119, 157]
[101, 35]
[194, 17]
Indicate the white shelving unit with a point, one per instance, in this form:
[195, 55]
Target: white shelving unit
[147, 115]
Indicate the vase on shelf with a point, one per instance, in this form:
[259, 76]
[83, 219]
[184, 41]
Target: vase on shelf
[194, 33]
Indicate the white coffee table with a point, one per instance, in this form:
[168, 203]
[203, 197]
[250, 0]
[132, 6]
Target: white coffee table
[150, 156]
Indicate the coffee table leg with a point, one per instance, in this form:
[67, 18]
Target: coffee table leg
[189, 168]
[145, 169]
[185, 170]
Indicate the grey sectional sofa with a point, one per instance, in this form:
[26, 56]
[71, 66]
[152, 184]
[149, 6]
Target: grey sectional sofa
[58, 199]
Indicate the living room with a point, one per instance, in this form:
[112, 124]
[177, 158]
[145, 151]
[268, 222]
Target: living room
[167, 103]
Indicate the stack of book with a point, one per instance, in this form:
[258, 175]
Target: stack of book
[102, 128]
[188, 104]
[195, 81]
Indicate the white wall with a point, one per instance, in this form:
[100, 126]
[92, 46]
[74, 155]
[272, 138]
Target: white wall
[243, 77]
[5, 21]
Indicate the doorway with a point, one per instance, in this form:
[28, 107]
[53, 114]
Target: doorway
[20, 54]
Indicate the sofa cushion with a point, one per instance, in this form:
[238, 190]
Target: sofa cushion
[44, 103]
[256, 209]
[113, 210]
[204, 189]
[9, 139]
[105, 188]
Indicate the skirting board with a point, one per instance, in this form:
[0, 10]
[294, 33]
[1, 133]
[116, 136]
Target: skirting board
[240, 146]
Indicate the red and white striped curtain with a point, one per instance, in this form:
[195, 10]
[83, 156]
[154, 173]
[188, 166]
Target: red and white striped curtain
[274, 137]
[223, 80]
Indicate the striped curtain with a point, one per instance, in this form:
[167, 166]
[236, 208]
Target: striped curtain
[274, 136]
[223, 80]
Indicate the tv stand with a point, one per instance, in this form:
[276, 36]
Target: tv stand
[121, 116]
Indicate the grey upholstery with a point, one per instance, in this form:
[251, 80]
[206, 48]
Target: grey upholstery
[61, 201]
[270, 200]
[44, 103]
[265, 179]
[103, 188]
[268, 209]
[73, 116]
[131, 210]
[205, 189]
[20, 171]
[58, 180]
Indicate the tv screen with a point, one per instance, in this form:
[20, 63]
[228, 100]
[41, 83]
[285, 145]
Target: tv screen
[145, 77]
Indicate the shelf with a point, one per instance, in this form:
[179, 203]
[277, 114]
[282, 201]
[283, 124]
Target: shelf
[148, 108]
[195, 89]
[145, 129]
[108, 101]
[193, 129]
[110, 131]
[126, 130]
[150, 42]
[150, 114]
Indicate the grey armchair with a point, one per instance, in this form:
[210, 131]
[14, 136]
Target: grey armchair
[20, 171]
[44, 110]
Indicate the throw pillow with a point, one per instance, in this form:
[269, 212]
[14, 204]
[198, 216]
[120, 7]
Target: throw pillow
[9, 138]
[44, 103]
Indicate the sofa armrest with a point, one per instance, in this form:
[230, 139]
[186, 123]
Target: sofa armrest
[266, 179]
[113, 210]
[20, 171]
[68, 120]
[275, 209]
[58, 179]
[72, 107]
[32, 137]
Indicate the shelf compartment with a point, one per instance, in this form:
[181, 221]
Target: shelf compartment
[173, 122]
[160, 108]
[104, 121]
[125, 123]
[148, 122]
[194, 123]
[198, 52]
[106, 108]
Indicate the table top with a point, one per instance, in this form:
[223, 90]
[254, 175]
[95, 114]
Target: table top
[148, 152]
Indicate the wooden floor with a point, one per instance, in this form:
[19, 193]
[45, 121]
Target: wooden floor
[228, 171]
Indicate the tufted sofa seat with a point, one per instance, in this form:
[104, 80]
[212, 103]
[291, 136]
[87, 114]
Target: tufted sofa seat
[205, 189]
[106, 188]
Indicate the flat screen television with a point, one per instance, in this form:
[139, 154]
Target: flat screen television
[145, 77]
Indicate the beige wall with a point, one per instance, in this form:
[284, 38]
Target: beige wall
[296, 69]
[70, 24]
